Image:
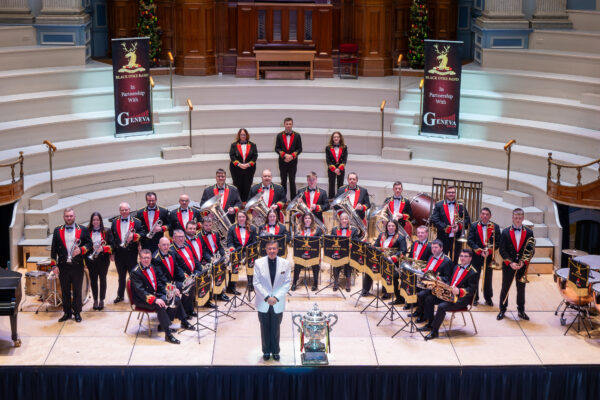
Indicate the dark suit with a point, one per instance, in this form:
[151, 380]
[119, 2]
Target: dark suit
[320, 200]
[234, 242]
[335, 160]
[231, 198]
[316, 232]
[441, 219]
[509, 254]
[475, 242]
[242, 178]
[276, 194]
[186, 261]
[98, 267]
[70, 273]
[279, 229]
[361, 197]
[353, 234]
[423, 254]
[209, 252]
[125, 257]
[144, 294]
[160, 213]
[398, 243]
[176, 220]
[167, 269]
[404, 211]
[442, 267]
[292, 146]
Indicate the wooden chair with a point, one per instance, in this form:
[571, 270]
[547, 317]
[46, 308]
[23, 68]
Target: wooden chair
[140, 310]
[462, 312]
[348, 57]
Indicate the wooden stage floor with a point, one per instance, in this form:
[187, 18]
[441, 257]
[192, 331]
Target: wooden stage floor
[355, 340]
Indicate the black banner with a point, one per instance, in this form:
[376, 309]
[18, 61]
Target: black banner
[235, 259]
[280, 239]
[387, 273]
[203, 287]
[307, 250]
[441, 91]
[408, 284]
[358, 251]
[336, 250]
[252, 253]
[373, 262]
[219, 273]
[131, 75]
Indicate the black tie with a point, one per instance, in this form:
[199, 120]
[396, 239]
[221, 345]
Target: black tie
[124, 220]
[265, 188]
[352, 189]
[94, 230]
[69, 228]
[450, 203]
[184, 210]
[398, 198]
[517, 229]
[311, 190]
[152, 209]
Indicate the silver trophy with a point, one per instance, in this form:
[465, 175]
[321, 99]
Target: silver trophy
[314, 328]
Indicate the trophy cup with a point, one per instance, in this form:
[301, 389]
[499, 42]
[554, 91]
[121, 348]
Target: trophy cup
[314, 327]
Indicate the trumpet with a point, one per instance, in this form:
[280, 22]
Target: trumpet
[97, 248]
[76, 244]
[171, 290]
[187, 284]
[127, 237]
[151, 234]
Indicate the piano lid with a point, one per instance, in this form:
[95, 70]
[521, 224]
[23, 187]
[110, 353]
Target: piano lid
[9, 279]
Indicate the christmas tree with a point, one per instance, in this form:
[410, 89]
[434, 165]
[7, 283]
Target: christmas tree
[149, 26]
[417, 33]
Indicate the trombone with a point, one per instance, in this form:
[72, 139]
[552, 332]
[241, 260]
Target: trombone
[459, 219]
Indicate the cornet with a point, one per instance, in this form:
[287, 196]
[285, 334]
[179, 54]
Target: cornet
[76, 244]
[96, 251]
[151, 234]
[126, 239]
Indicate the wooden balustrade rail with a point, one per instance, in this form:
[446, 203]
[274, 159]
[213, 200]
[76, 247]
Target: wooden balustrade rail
[13, 191]
[582, 194]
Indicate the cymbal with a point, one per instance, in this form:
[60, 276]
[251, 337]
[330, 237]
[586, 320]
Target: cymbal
[574, 252]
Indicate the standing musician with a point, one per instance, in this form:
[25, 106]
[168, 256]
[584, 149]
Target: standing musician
[230, 202]
[272, 227]
[273, 194]
[98, 261]
[149, 217]
[70, 242]
[126, 231]
[308, 228]
[464, 281]
[399, 207]
[315, 198]
[440, 265]
[186, 260]
[482, 236]
[240, 234]
[512, 246]
[359, 196]
[212, 246]
[444, 217]
[344, 230]
[288, 146]
[336, 155]
[184, 213]
[243, 154]
[148, 291]
[390, 239]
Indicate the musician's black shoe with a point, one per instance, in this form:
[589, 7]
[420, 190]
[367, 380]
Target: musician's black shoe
[223, 297]
[406, 307]
[266, 357]
[294, 287]
[524, 316]
[101, 305]
[336, 287]
[432, 335]
[187, 326]
[313, 288]
[395, 302]
[209, 304]
[233, 291]
[160, 329]
[193, 314]
[64, 317]
[251, 288]
[348, 289]
[171, 339]
[420, 319]
[386, 296]
[118, 299]
[414, 314]
[95, 306]
[500, 315]
[276, 357]
[77, 317]
[425, 328]
[364, 293]
[489, 303]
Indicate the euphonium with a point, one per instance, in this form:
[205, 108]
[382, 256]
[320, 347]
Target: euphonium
[187, 284]
[221, 223]
[343, 201]
[171, 290]
[259, 210]
[151, 234]
[528, 253]
[298, 206]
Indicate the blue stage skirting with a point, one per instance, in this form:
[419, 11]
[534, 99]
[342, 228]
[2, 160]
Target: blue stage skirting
[283, 383]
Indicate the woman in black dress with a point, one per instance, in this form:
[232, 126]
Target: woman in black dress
[243, 154]
[98, 260]
[336, 154]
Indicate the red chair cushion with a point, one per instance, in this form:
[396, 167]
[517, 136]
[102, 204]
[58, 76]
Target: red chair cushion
[348, 48]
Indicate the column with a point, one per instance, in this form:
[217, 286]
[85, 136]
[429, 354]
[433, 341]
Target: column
[195, 37]
[373, 32]
[15, 12]
[64, 22]
[551, 14]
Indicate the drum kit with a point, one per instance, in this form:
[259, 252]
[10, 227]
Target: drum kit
[44, 284]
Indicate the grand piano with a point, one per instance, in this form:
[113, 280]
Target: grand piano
[10, 297]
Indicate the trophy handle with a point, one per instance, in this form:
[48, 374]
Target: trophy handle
[295, 323]
[334, 322]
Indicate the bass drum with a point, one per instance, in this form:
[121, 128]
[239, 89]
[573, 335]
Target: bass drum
[85, 287]
[421, 209]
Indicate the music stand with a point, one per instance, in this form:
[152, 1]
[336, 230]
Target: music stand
[408, 289]
[376, 300]
[216, 312]
[198, 325]
[410, 324]
[332, 283]
[236, 301]
[336, 252]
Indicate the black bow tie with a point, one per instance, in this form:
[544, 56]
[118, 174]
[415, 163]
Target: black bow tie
[288, 133]
[124, 219]
[221, 189]
[311, 190]
[243, 142]
[164, 255]
[94, 230]
[517, 229]
[421, 243]
[352, 188]
[391, 235]
[336, 146]
[184, 210]
[463, 267]
[266, 188]
[398, 198]
[69, 228]
[145, 268]
[151, 209]
[451, 202]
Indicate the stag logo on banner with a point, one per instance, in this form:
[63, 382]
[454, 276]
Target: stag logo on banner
[130, 54]
[442, 56]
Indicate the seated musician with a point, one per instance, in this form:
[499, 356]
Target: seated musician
[441, 265]
[390, 239]
[399, 206]
[212, 246]
[343, 229]
[272, 227]
[186, 260]
[420, 250]
[464, 282]
[273, 194]
[239, 235]
[149, 292]
[314, 197]
[308, 228]
[165, 266]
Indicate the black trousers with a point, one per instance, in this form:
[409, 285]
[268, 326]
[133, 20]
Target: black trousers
[242, 179]
[422, 295]
[125, 261]
[98, 269]
[336, 272]
[443, 308]
[396, 284]
[368, 282]
[151, 244]
[335, 182]
[315, 271]
[288, 171]
[270, 324]
[167, 314]
[71, 279]
[488, 292]
[508, 275]
[429, 303]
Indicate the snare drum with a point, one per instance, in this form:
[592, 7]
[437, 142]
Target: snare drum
[44, 265]
[36, 283]
[54, 284]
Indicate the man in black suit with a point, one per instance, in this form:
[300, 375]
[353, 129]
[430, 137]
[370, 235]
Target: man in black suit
[67, 255]
[273, 194]
[126, 231]
[230, 200]
[399, 207]
[184, 213]
[288, 146]
[359, 196]
[165, 265]
[444, 217]
[148, 291]
[149, 216]
[481, 236]
[314, 197]
[464, 281]
[512, 247]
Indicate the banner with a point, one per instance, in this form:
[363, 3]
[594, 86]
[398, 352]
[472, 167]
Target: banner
[235, 259]
[307, 250]
[358, 251]
[373, 262]
[131, 75]
[336, 250]
[281, 239]
[441, 91]
[252, 254]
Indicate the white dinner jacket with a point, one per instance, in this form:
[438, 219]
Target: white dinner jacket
[263, 287]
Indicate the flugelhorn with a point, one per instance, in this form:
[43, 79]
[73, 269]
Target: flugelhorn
[126, 239]
[96, 251]
[76, 244]
[151, 234]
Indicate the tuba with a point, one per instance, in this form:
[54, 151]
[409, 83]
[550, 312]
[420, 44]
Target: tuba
[221, 223]
[377, 224]
[259, 210]
[298, 206]
[439, 288]
[343, 201]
